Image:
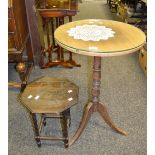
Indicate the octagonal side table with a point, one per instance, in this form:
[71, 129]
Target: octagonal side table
[51, 97]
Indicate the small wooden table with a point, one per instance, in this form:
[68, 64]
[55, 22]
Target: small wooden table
[54, 12]
[123, 39]
[50, 97]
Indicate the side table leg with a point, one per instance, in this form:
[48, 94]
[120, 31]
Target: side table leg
[36, 129]
[85, 119]
[95, 105]
[65, 127]
[104, 113]
[44, 119]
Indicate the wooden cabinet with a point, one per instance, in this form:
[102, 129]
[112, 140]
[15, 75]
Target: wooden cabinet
[19, 43]
[18, 34]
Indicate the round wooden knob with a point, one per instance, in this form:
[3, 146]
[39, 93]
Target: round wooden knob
[20, 67]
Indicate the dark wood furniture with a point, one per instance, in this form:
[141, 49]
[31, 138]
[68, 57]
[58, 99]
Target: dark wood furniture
[19, 43]
[50, 97]
[133, 39]
[37, 49]
[53, 14]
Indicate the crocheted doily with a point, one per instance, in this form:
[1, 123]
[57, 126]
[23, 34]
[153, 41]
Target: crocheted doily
[91, 32]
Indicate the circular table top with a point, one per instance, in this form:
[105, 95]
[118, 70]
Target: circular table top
[96, 37]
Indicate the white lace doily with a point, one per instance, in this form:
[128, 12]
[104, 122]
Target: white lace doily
[91, 32]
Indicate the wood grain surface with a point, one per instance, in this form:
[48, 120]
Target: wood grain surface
[127, 39]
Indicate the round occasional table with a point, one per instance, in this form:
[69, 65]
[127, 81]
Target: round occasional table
[98, 38]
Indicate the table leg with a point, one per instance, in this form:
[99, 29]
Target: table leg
[51, 48]
[85, 119]
[71, 61]
[36, 129]
[65, 127]
[95, 105]
[52, 29]
[105, 115]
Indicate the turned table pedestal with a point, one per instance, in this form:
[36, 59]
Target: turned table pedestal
[98, 38]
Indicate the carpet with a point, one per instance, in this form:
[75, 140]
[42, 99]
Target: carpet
[123, 91]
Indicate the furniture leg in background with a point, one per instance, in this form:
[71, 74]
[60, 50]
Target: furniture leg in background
[54, 12]
[49, 18]
[71, 61]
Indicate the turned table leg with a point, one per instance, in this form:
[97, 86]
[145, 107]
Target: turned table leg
[95, 105]
[36, 129]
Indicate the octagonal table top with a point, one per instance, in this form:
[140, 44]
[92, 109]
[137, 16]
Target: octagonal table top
[49, 95]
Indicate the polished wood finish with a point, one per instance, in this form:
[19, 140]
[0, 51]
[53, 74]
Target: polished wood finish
[36, 129]
[24, 73]
[54, 12]
[33, 31]
[17, 26]
[50, 95]
[54, 48]
[95, 105]
[31, 10]
[19, 45]
[71, 61]
[127, 39]
[43, 5]
[52, 98]
[65, 119]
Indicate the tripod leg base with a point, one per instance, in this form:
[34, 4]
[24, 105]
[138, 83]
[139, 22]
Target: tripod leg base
[104, 113]
[85, 118]
[90, 108]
